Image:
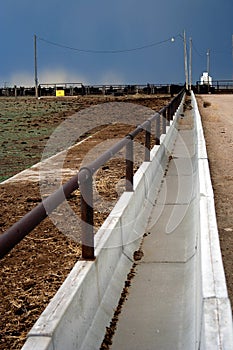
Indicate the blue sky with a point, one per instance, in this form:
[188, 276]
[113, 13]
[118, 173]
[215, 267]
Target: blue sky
[105, 25]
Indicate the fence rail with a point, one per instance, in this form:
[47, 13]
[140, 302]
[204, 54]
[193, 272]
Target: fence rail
[76, 89]
[83, 181]
[216, 87]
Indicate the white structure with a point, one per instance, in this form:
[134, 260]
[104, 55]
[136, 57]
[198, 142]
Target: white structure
[206, 79]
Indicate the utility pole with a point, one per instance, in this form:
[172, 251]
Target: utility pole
[35, 66]
[185, 61]
[208, 61]
[208, 68]
[232, 53]
[190, 64]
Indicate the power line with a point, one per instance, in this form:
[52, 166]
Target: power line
[214, 51]
[106, 51]
[196, 50]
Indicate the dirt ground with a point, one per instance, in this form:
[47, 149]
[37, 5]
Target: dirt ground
[27, 123]
[217, 119]
[33, 271]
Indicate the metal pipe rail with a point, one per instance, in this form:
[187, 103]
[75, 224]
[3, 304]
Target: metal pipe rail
[83, 181]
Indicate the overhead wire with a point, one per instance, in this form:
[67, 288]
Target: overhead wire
[106, 51]
[213, 51]
[197, 51]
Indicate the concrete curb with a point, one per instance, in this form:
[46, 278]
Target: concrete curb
[215, 315]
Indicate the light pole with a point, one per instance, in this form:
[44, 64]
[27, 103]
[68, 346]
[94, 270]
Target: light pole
[208, 61]
[35, 66]
[190, 64]
[208, 68]
[185, 61]
[232, 53]
[183, 37]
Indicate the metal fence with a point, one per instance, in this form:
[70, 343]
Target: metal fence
[83, 181]
[216, 87]
[78, 89]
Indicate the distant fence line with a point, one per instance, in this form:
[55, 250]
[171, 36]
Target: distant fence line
[76, 89]
[216, 87]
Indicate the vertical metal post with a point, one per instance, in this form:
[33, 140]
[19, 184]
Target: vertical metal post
[35, 66]
[168, 114]
[147, 142]
[172, 110]
[157, 129]
[232, 53]
[164, 121]
[185, 61]
[208, 62]
[190, 64]
[129, 166]
[208, 68]
[87, 213]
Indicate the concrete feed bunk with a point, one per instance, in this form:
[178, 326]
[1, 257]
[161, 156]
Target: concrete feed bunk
[179, 281]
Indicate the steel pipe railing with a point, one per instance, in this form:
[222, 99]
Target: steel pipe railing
[84, 181]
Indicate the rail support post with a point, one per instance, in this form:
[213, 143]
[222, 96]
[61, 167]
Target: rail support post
[168, 115]
[164, 123]
[172, 110]
[157, 129]
[129, 166]
[87, 212]
[147, 142]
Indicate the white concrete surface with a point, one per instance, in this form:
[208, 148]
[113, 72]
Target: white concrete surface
[48, 168]
[160, 310]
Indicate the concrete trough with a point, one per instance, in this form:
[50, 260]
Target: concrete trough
[180, 278]
[77, 316]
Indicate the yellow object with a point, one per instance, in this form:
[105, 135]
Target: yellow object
[60, 92]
